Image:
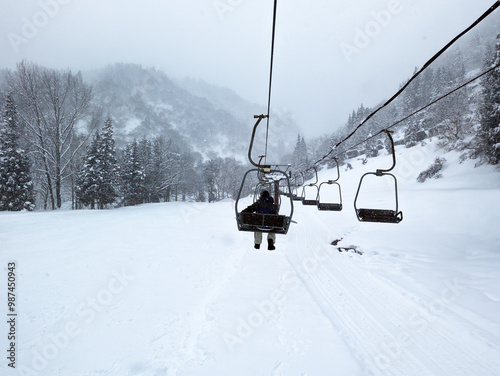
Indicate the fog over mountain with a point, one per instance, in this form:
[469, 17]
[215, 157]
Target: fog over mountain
[145, 102]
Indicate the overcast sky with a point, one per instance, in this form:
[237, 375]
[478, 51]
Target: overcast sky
[331, 55]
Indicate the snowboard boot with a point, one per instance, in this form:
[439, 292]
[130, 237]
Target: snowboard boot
[257, 246]
[270, 245]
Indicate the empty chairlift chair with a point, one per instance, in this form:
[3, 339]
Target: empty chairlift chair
[380, 215]
[298, 182]
[313, 187]
[330, 205]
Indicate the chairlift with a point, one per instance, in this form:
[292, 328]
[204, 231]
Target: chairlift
[275, 223]
[330, 206]
[305, 200]
[296, 196]
[381, 215]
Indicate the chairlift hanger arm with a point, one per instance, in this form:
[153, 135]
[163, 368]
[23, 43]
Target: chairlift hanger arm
[258, 165]
[338, 172]
[316, 174]
[380, 172]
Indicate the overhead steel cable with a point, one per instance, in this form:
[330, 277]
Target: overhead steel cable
[424, 67]
[271, 75]
[414, 113]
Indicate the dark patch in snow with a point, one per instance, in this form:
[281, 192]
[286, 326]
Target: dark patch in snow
[352, 248]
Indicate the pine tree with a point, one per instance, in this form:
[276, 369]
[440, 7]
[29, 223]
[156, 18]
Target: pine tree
[145, 152]
[99, 175]
[300, 160]
[16, 187]
[490, 111]
[457, 67]
[88, 180]
[108, 167]
[132, 176]
[211, 170]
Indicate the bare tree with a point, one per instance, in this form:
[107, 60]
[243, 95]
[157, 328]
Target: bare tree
[51, 104]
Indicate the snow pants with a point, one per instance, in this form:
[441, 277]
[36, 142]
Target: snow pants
[257, 236]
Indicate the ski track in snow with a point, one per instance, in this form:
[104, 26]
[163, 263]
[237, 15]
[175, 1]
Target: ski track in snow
[386, 327]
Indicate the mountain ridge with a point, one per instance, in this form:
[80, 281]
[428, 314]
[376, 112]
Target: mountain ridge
[146, 102]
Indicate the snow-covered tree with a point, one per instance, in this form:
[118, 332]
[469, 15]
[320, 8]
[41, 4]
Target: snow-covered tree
[300, 158]
[211, 171]
[99, 175]
[490, 111]
[88, 181]
[16, 187]
[170, 167]
[132, 176]
[51, 103]
[108, 167]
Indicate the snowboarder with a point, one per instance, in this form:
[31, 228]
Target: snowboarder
[264, 205]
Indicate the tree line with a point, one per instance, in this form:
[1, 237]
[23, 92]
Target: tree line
[57, 146]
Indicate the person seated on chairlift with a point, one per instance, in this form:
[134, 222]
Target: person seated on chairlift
[264, 205]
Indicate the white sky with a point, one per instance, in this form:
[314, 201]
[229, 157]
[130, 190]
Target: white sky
[227, 43]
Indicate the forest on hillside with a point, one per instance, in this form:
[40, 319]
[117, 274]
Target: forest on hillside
[455, 100]
[66, 142]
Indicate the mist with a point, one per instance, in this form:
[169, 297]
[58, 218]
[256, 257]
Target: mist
[330, 56]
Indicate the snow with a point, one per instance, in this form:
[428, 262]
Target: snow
[175, 289]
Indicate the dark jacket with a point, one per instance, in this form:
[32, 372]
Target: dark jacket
[264, 205]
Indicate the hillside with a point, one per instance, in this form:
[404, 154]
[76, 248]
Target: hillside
[147, 103]
[175, 289]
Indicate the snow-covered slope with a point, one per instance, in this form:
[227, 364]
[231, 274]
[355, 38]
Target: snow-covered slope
[175, 289]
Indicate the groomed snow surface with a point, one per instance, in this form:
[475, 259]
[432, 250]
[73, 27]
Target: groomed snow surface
[175, 289]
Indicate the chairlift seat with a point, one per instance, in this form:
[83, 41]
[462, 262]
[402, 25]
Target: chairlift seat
[275, 223]
[329, 206]
[310, 202]
[379, 215]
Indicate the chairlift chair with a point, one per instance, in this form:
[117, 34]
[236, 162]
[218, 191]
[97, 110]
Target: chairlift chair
[276, 223]
[330, 206]
[380, 215]
[295, 195]
[270, 223]
[307, 201]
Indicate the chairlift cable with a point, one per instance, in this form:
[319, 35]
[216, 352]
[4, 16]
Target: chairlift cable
[261, 221]
[424, 67]
[271, 74]
[419, 110]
